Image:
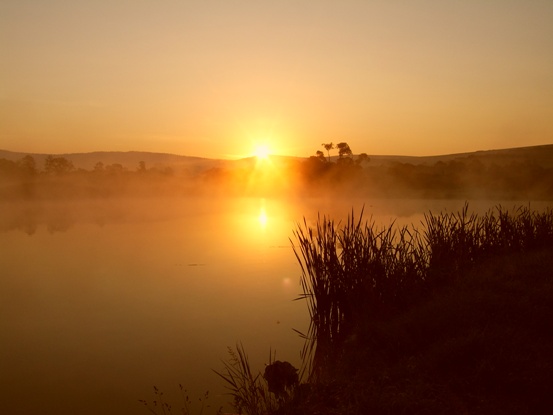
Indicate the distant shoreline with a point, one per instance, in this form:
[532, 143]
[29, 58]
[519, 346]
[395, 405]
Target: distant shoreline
[540, 153]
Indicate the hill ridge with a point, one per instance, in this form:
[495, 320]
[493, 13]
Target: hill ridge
[543, 154]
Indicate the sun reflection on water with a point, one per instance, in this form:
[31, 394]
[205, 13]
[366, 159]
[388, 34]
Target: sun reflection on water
[262, 217]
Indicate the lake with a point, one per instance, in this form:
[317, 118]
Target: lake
[102, 300]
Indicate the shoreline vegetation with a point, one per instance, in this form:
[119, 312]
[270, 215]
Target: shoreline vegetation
[453, 317]
[360, 282]
[511, 174]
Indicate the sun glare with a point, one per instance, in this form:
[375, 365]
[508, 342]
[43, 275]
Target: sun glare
[262, 151]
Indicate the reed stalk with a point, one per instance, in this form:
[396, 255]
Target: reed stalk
[353, 272]
[249, 390]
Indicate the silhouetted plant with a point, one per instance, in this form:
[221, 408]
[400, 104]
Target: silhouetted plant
[250, 391]
[348, 275]
[328, 147]
[282, 379]
[344, 150]
[354, 272]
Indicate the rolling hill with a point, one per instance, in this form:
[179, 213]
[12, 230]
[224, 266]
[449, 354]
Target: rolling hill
[540, 155]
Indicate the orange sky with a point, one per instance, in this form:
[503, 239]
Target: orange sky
[213, 78]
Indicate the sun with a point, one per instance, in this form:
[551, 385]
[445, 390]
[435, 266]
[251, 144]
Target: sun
[262, 151]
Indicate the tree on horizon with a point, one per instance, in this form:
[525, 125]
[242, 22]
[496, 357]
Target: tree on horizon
[344, 150]
[328, 147]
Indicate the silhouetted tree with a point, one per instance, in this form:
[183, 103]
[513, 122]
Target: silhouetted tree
[141, 166]
[28, 165]
[320, 155]
[328, 147]
[115, 168]
[99, 167]
[344, 150]
[315, 168]
[57, 165]
[362, 158]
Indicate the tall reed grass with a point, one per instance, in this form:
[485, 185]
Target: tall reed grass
[355, 272]
[249, 389]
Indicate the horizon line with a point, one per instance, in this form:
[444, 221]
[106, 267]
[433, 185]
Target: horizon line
[271, 155]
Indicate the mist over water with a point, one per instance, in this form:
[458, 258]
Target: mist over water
[101, 300]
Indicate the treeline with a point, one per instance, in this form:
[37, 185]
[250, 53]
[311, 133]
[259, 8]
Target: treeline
[59, 178]
[453, 179]
[58, 166]
[462, 178]
[342, 174]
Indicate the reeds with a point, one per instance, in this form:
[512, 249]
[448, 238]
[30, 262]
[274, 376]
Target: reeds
[354, 272]
[249, 391]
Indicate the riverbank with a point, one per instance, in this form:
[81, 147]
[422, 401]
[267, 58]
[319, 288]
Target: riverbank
[481, 345]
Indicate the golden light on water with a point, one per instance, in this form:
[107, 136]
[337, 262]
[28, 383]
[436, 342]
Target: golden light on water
[262, 216]
[256, 222]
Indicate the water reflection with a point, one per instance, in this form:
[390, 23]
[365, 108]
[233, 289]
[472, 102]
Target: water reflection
[109, 298]
[256, 213]
[114, 306]
[262, 215]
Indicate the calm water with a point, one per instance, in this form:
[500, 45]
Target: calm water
[99, 301]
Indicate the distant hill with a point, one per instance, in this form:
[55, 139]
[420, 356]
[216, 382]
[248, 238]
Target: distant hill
[128, 159]
[541, 155]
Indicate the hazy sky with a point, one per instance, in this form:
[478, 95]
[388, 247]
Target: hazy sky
[213, 78]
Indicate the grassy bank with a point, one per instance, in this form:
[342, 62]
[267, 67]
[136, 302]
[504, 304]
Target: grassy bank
[481, 345]
[454, 316]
